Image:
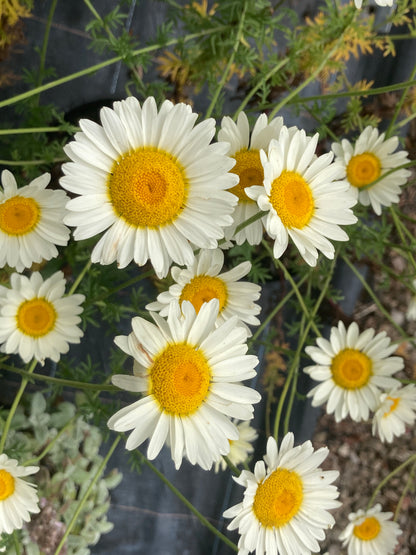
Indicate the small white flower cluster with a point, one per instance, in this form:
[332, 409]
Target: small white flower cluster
[36, 320]
[356, 374]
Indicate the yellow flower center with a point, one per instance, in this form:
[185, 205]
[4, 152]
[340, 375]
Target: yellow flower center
[179, 379]
[351, 369]
[393, 406]
[292, 199]
[363, 169]
[278, 498]
[148, 187]
[19, 215]
[250, 171]
[6, 484]
[367, 530]
[201, 289]
[36, 317]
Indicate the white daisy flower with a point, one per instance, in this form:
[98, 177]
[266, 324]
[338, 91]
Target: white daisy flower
[359, 3]
[202, 281]
[30, 221]
[353, 369]
[36, 319]
[152, 180]
[302, 196]
[241, 448]
[397, 408]
[190, 374]
[370, 532]
[286, 503]
[246, 152]
[369, 159]
[18, 498]
[411, 309]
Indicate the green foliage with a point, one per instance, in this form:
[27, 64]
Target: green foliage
[72, 459]
[260, 264]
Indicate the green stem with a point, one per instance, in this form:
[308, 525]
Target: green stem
[407, 120]
[295, 287]
[45, 43]
[106, 63]
[250, 220]
[253, 91]
[16, 542]
[93, 10]
[389, 476]
[374, 297]
[203, 520]
[399, 105]
[28, 130]
[15, 404]
[123, 285]
[84, 499]
[408, 485]
[408, 36]
[361, 92]
[31, 162]
[31, 376]
[295, 363]
[293, 368]
[399, 227]
[51, 443]
[328, 131]
[275, 310]
[294, 380]
[305, 83]
[80, 277]
[229, 64]
[231, 466]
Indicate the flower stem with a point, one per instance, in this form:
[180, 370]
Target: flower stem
[123, 285]
[399, 227]
[250, 220]
[84, 499]
[105, 63]
[31, 162]
[361, 92]
[231, 466]
[51, 442]
[295, 287]
[30, 376]
[409, 484]
[389, 476]
[374, 297]
[275, 310]
[229, 64]
[253, 91]
[93, 10]
[295, 363]
[28, 130]
[45, 42]
[79, 278]
[203, 520]
[305, 83]
[16, 542]
[399, 104]
[15, 404]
